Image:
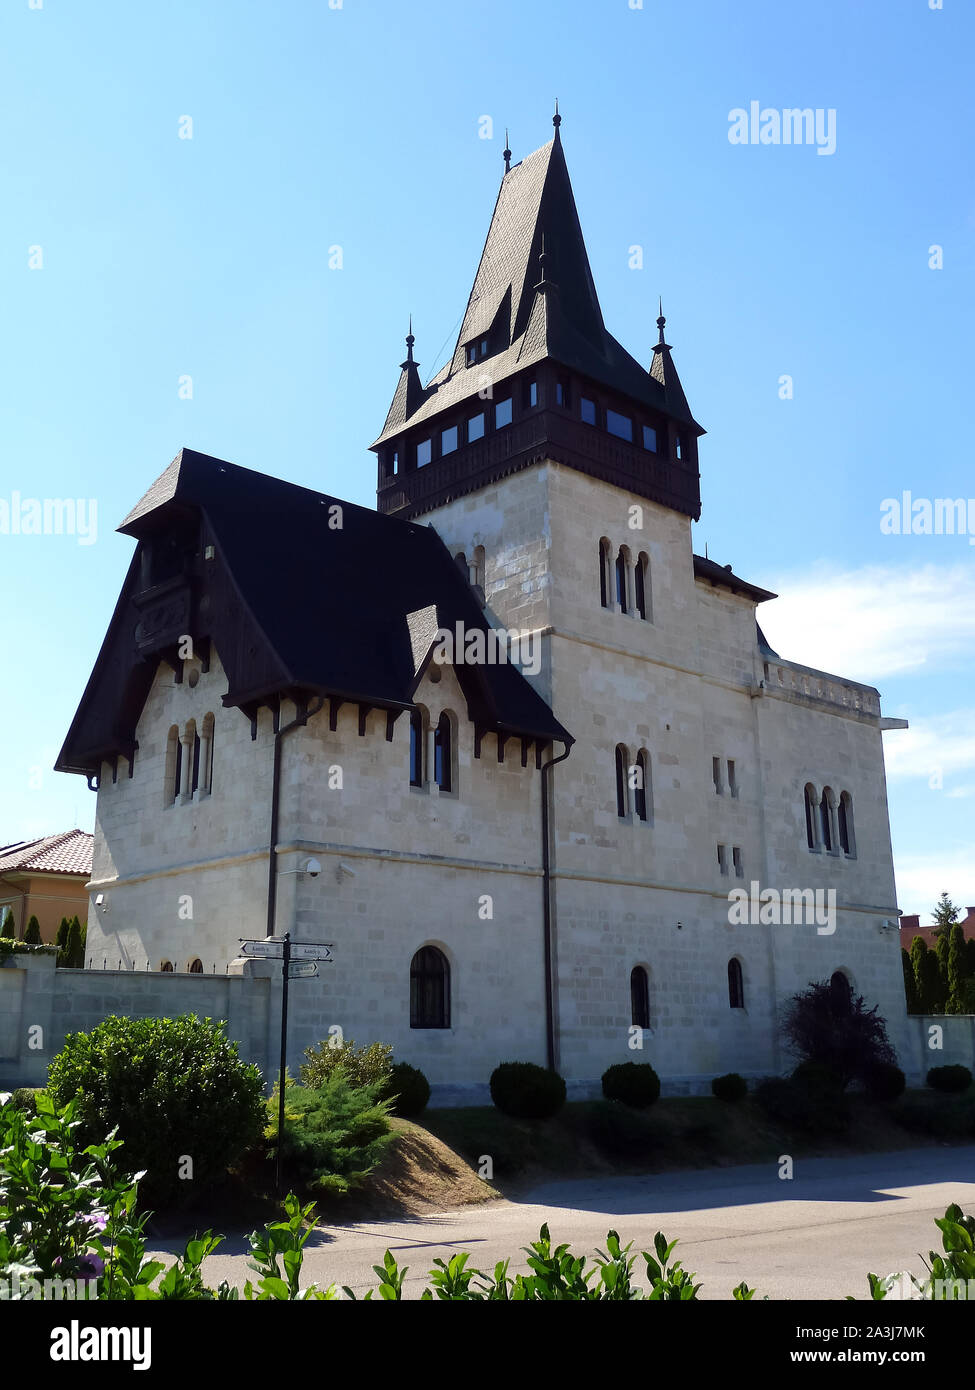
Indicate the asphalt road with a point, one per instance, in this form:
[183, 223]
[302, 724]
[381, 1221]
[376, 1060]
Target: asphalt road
[812, 1237]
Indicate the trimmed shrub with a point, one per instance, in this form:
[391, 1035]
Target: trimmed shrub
[362, 1065]
[884, 1081]
[408, 1089]
[526, 1091]
[335, 1134]
[74, 951]
[32, 936]
[950, 1078]
[730, 1087]
[173, 1086]
[8, 929]
[631, 1083]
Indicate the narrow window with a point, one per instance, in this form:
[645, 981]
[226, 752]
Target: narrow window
[736, 860]
[393, 462]
[641, 578]
[429, 989]
[416, 748]
[732, 778]
[639, 997]
[475, 427]
[620, 425]
[588, 408]
[478, 574]
[716, 775]
[561, 394]
[736, 985]
[723, 859]
[532, 396]
[679, 445]
[195, 780]
[174, 765]
[604, 563]
[847, 838]
[502, 414]
[621, 580]
[424, 452]
[622, 801]
[448, 440]
[442, 753]
[650, 438]
[484, 347]
[826, 819]
[471, 354]
[641, 779]
[809, 801]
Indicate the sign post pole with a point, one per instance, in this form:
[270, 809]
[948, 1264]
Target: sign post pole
[285, 960]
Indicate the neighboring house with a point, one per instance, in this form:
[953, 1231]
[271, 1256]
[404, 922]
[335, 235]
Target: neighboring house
[46, 879]
[276, 747]
[911, 927]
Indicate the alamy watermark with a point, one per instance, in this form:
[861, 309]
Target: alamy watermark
[493, 646]
[50, 516]
[790, 907]
[908, 515]
[793, 125]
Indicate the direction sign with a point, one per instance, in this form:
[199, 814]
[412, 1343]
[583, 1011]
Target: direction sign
[267, 950]
[270, 949]
[310, 950]
[301, 969]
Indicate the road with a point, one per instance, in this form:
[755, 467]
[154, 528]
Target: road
[812, 1237]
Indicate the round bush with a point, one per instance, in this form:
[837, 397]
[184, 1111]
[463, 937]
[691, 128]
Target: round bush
[527, 1091]
[730, 1087]
[632, 1083]
[175, 1087]
[884, 1081]
[409, 1087]
[952, 1078]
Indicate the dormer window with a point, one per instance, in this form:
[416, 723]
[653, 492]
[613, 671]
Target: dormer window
[477, 350]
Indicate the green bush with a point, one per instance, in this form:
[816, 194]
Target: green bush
[335, 1134]
[884, 1081]
[25, 1099]
[7, 928]
[174, 1087]
[829, 1024]
[796, 1106]
[408, 1089]
[730, 1087]
[950, 1078]
[73, 955]
[527, 1091]
[632, 1083]
[362, 1065]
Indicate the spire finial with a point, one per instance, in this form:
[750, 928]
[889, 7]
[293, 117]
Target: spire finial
[661, 321]
[556, 119]
[507, 153]
[410, 340]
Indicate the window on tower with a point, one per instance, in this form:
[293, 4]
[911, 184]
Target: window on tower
[448, 440]
[620, 425]
[588, 409]
[650, 438]
[502, 414]
[475, 427]
[424, 452]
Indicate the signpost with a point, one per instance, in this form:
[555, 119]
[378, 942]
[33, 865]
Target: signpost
[298, 962]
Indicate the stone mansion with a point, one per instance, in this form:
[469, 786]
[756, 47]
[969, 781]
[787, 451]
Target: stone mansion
[521, 842]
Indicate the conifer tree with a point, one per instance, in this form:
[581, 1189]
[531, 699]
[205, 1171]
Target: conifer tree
[32, 936]
[8, 928]
[75, 950]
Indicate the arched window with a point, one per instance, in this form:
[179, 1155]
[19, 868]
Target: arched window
[641, 586]
[443, 754]
[195, 966]
[826, 809]
[622, 768]
[622, 564]
[736, 984]
[840, 991]
[416, 748]
[429, 989]
[639, 997]
[604, 564]
[174, 765]
[167, 967]
[848, 842]
[809, 801]
[642, 791]
[193, 734]
[206, 755]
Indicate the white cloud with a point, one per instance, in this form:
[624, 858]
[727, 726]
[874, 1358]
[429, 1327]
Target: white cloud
[937, 748]
[875, 621]
[922, 878]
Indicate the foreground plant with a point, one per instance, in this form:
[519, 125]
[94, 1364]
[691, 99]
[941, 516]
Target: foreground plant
[951, 1275]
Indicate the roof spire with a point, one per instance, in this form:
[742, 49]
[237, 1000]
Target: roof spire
[507, 153]
[410, 340]
[556, 119]
[661, 321]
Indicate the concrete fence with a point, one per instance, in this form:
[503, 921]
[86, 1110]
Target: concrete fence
[40, 1005]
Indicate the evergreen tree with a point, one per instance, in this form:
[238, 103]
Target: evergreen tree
[8, 923]
[970, 957]
[932, 990]
[32, 936]
[61, 940]
[945, 915]
[75, 950]
[956, 969]
[919, 949]
[910, 984]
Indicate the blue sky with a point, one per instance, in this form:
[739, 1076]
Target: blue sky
[359, 127]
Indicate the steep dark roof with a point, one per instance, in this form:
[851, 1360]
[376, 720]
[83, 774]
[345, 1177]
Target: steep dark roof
[536, 202]
[293, 605]
[722, 576]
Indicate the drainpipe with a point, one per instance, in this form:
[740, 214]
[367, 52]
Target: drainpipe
[272, 879]
[547, 907]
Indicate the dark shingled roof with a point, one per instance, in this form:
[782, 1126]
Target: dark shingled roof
[535, 201]
[723, 577]
[338, 611]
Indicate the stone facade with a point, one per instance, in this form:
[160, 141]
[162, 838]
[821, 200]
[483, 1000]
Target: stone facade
[403, 866]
